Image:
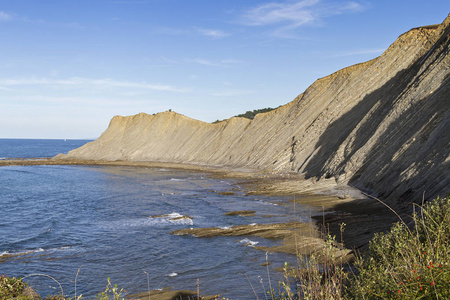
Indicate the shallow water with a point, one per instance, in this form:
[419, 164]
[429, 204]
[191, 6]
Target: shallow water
[58, 219]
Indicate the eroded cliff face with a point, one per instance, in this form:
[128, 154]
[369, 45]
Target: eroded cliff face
[382, 126]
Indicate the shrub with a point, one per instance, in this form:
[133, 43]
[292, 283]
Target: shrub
[408, 263]
[11, 287]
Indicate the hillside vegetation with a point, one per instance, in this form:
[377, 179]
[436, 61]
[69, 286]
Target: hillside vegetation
[249, 114]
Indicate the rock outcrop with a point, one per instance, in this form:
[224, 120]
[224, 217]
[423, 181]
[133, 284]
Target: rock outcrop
[381, 126]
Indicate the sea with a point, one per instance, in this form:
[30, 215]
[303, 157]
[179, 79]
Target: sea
[73, 227]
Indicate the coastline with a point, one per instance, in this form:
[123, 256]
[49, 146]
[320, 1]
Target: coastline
[253, 180]
[339, 203]
[336, 204]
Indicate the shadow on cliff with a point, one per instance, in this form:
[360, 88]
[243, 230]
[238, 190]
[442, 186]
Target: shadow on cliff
[425, 127]
[380, 172]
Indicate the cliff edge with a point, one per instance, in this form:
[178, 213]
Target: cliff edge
[381, 126]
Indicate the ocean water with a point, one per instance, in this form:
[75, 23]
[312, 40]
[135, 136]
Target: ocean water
[36, 148]
[100, 222]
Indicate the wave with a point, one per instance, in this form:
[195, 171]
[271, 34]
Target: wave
[6, 254]
[176, 179]
[152, 221]
[21, 252]
[265, 202]
[248, 242]
[176, 218]
[173, 274]
[174, 215]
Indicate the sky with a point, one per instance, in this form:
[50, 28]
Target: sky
[68, 66]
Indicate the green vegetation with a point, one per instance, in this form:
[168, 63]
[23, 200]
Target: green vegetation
[408, 262]
[250, 114]
[404, 263]
[320, 276]
[11, 287]
[15, 288]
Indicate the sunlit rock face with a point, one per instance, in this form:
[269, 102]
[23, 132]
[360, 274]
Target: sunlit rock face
[382, 126]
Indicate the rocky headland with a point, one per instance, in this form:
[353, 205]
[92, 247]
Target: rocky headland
[381, 126]
[376, 129]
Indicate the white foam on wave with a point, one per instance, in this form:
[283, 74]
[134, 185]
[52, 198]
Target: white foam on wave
[26, 252]
[248, 242]
[225, 227]
[174, 215]
[173, 218]
[22, 252]
[173, 274]
[176, 179]
[177, 218]
[267, 203]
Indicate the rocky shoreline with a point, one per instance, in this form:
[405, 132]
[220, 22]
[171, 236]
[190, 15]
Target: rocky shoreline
[338, 203]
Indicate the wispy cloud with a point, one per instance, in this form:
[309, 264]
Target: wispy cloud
[74, 100]
[191, 31]
[4, 16]
[287, 16]
[15, 17]
[214, 33]
[231, 61]
[218, 63]
[296, 13]
[99, 83]
[205, 62]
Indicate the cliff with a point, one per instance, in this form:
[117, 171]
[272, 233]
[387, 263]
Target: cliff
[381, 126]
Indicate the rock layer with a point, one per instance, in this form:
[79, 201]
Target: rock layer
[381, 126]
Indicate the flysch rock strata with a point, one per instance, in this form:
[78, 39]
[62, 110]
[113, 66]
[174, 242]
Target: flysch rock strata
[381, 126]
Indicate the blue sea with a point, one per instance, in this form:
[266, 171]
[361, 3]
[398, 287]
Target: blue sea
[115, 222]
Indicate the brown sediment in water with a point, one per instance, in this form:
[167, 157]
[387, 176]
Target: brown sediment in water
[228, 193]
[172, 217]
[242, 213]
[168, 294]
[297, 238]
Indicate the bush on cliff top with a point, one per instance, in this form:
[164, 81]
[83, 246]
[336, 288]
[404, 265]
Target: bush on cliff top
[250, 114]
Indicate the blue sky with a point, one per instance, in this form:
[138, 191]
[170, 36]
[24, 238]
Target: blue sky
[67, 67]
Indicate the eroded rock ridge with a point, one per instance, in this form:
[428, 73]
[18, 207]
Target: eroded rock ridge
[381, 126]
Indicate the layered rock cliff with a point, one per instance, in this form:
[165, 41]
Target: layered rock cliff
[382, 126]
